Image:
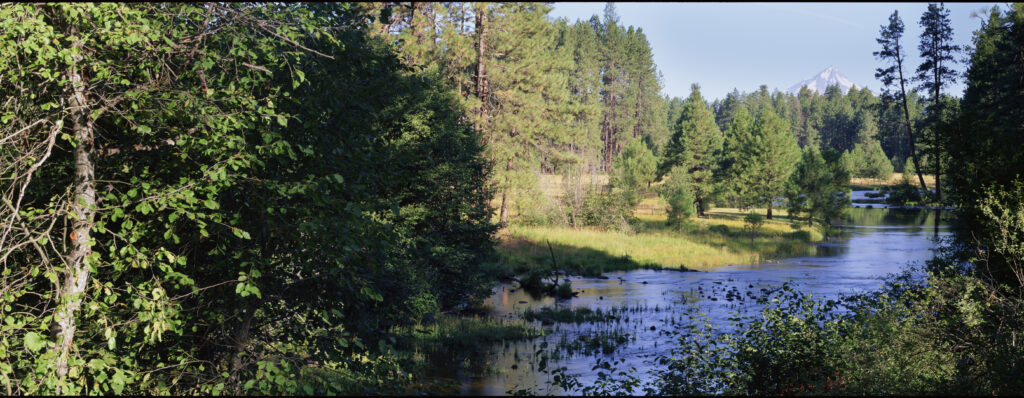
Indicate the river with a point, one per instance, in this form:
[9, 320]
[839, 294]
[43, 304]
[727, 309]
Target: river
[647, 303]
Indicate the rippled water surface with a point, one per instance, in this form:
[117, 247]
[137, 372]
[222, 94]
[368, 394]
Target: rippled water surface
[647, 303]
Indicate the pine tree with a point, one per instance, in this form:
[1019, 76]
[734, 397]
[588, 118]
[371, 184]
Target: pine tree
[892, 54]
[818, 187]
[876, 164]
[580, 42]
[737, 134]
[633, 171]
[937, 51]
[765, 159]
[525, 99]
[695, 146]
[677, 191]
[729, 106]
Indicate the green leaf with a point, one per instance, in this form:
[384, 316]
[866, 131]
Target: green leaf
[118, 381]
[210, 203]
[34, 342]
[97, 364]
[283, 121]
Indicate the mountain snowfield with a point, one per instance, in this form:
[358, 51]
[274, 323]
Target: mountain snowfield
[828, 77]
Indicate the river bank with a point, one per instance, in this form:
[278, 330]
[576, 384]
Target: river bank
[721, 239]
[632, 317]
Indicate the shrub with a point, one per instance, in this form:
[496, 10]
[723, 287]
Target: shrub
[752, 223]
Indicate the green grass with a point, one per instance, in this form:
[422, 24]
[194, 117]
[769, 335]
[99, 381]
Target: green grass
[433, 352]
[705, 244]
[463, 333]
[862, 184]
[567, 315]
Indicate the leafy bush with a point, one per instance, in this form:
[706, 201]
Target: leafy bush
[606, 209]
[950, 335]
[904, 194]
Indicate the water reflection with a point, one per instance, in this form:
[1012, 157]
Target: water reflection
[875, 242]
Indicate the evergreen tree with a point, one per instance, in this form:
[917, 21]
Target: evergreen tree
[738, 134]
[728, 109]
[876, 164]
[526, 101]
[633, 171]
[673, 110]
[818, 187]
[695, 146]
[985, 147]
[893, 55]
[677, 192]
[765, 159]
[937, 53]
[582, 147]
[807, 131]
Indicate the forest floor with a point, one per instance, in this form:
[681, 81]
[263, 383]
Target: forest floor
[719, 239]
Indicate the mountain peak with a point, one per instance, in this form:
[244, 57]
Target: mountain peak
[828, 77]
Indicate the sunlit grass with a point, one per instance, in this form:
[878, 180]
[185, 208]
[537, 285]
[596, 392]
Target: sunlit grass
[705, 244]
[874, 184]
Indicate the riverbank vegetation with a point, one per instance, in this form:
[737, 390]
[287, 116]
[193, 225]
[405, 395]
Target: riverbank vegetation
[948, 327]
[708, 243]
[297, 198]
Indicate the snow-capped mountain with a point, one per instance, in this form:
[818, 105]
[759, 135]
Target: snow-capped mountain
[827, 77]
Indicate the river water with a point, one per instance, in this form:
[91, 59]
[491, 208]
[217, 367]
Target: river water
[647, 303]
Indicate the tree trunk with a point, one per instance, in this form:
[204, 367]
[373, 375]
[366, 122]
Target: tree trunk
[504, 195]
[700, 207]
[906, 119]
[241, 343]
[82, 208]
[936, 147]
[769, 210]
[504, 210]
[481, 65]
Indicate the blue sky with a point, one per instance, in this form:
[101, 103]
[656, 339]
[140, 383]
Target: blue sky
[723, 46]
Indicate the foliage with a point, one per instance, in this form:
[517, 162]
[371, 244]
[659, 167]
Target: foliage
[905, 339]
[242, 226]
[868, 160]
[818, 187]
[678, 193]
[633, 171]
[904, 194]
[752, 223]
[607, 209]
[894, 56]
[984, 157]
[764, 159]
[694, 147]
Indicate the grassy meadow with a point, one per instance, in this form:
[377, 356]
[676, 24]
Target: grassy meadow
[707, 243]
[874, 184]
